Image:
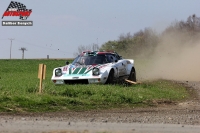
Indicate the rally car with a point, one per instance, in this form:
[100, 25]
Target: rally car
[103, 67]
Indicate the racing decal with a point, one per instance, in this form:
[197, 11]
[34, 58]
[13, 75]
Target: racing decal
[88, 71]
[82, 70]
[76, 70]
[92, 68]
[65, 68]
[98, 66]
[89, 67]
[103, 66]
[70, 70]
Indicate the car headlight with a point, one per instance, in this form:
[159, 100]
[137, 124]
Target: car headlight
[58, 72]
[95, 71]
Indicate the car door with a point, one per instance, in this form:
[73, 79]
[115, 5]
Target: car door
[121, 68]
[119, 64]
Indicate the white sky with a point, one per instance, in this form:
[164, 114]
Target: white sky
[60, 26]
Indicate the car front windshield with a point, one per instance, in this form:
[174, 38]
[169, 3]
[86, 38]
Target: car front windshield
[90, 60]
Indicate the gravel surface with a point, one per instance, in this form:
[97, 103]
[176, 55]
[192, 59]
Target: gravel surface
[165, 117]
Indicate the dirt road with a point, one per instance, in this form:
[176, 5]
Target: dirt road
[182, 117]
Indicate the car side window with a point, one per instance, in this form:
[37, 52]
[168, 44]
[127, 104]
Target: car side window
[111, 58]
[108, 58]
[105, 60]
[116, 56]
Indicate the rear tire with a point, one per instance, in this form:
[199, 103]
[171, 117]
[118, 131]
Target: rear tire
[110, 79]
[132, 75]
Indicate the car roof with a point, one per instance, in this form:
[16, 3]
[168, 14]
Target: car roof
[100, 53]
[97, 53]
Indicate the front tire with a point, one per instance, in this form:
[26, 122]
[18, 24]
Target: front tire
[110, 79]
[132, 75]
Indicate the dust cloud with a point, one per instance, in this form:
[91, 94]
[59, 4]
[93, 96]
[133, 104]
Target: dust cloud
[176, 57]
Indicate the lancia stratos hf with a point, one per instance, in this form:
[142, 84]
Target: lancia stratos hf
[103, 67]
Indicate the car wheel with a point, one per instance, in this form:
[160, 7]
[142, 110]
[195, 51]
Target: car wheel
[132, 75]
[110, 79]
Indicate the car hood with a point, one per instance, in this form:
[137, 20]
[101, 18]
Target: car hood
[82, 69]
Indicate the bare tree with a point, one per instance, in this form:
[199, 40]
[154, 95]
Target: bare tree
[192, 23]
[23, 49]
[196, 22]
[81, 48]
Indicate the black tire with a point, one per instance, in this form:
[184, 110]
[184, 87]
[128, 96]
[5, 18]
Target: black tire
[110, 79]
[132, 75]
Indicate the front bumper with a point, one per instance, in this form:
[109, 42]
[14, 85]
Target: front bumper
[75, 79]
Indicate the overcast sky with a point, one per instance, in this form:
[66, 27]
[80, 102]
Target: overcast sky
[60, 26]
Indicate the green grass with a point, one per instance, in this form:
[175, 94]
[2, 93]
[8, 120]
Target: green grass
[19, 91]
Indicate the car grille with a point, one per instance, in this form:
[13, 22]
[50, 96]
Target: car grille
[79, 81]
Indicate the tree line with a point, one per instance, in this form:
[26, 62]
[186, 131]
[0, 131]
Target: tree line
[143, 42]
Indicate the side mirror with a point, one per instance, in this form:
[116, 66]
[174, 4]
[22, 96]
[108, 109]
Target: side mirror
[67, 62]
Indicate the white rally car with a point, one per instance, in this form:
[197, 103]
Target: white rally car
[95, 67]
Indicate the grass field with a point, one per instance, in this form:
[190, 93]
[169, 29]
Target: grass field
[19, 91]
